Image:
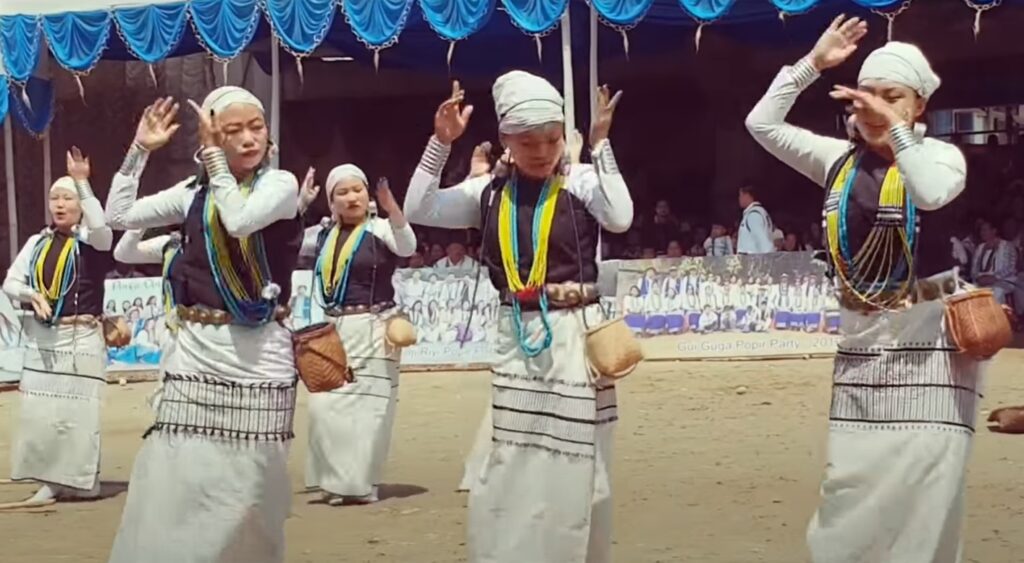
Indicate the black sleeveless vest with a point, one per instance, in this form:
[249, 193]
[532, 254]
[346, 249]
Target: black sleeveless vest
[373, 265]
[569, 259]
[933, 253]
[192, 278]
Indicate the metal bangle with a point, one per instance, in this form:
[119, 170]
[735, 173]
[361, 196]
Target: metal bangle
[604, 158]
[902, 138]
[84, 189]
[135, 160]
[215, 161]
[435, 156]
[804, 73]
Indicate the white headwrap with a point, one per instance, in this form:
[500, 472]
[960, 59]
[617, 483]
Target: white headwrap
[901, 63]
[523, 102]
[344, 172]
[226, 95]
[64, 183]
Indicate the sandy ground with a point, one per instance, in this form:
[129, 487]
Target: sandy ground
[704, 472]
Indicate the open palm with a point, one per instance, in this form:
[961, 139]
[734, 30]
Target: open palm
[157, 125]
[451, 118]
[838, 42]
[78, 165]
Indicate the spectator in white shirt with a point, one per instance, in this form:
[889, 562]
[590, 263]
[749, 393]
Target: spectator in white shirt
[755, 233]
[719, 243]
[994, 264]
[456, 261]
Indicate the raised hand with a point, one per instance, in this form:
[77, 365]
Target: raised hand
[606, 104]
[157, 125]
[451, 118]
[387, 202]
[78, 165]
[838, 42]
[480, 163]
[308, 191]
[209, 129]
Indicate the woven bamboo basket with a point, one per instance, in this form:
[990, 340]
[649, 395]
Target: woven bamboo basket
[320, 358]
[978, 325]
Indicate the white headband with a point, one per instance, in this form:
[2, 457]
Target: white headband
[900, 63]
[344, 172]
[524, 102]
[224, 96]
[64, 183]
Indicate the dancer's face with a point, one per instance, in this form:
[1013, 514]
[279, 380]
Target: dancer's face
[349, 200]
[537, 152]
[65, 208]
[904, 101]
[245, 137]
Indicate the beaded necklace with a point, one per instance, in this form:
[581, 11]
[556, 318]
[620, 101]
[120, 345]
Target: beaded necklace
[245, 302]
[64, 274]
[331, 274]
[874, 275]
[508, 241]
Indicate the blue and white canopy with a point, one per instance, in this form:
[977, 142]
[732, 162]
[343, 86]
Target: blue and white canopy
[78, 33]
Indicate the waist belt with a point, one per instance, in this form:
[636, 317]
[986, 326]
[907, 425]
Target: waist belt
[81, 320]
[344, 310]
[216, 317]
[566, 295]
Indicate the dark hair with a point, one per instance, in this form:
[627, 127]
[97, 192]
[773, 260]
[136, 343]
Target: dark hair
[749, 190]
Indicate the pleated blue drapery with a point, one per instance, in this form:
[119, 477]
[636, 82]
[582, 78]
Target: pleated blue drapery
[377, 23]
[458, 19]
[225, 28]
[151, 33]
[77, 39]
[301, 25]
[20, 36]
[536, 17]
[5, 89]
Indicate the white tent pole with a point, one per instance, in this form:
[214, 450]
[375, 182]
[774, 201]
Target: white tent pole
[275, 98]
[592, 82]
[12, 207]
[593, 64]
[567, 87]
[43, 72]
[47, 175]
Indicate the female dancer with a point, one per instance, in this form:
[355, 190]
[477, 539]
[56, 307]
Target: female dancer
[357, 254]
[543, 494]
[60, 274]
[904, 401]
[210, 482]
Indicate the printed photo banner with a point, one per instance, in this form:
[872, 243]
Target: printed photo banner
[774, 305]
[749, 306]
[437, 302]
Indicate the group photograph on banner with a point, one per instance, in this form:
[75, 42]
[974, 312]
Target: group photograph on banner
[756, 306]
[439, 303]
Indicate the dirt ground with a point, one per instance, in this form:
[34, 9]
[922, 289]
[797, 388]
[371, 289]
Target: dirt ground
[715, 462]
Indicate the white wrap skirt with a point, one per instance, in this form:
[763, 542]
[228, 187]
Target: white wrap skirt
[210, 483]
[58, 424]
[904, 404]
[350, 428]
[543, 493]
